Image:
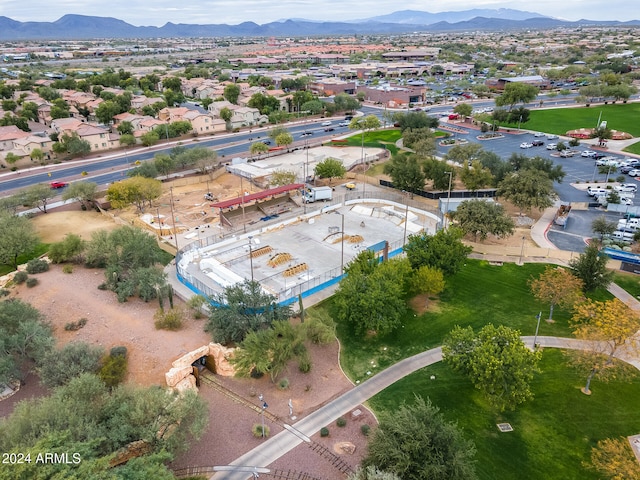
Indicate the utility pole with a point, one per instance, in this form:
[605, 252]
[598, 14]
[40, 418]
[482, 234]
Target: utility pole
[173, 218]
[445, 222]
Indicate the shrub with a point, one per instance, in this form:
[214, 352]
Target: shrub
[257, 430]
[37, 265]
[304, 363]
[4, 292]
[20, 277]
[32, 282]
[119, 351]
[169, 319]
[324, 432]
[68, 268]
[68, 250]
[58, 367]
[113, 370]
[283, 384]
[341, 422]
[196, 304]
[73, 326]
[365, 430]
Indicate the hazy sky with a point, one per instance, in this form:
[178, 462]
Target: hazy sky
[159, 12]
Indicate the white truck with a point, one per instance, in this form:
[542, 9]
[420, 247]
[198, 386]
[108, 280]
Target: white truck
[315, 194]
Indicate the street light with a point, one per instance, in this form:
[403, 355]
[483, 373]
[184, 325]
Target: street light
[522, 250]
[446, 212]
[263, 408]
[342, 243]
[535, 337]
[251, 256]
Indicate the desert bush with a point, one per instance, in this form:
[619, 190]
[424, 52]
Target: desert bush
[37, 265]
[196, 304]
[73, 326]
[113, 370]
[32, 282]
[283, 384]
[324, 432]
[68, 250]
[20, 277]
[257, 430]
[304, 362]
[119, 351]
[365, 430]
[168, 319]
[58, 367]
[68, 268]
[341, 422]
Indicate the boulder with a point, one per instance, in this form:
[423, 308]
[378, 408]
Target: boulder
[175, 375]
[187, 359]
[221, 356]
[187, 383]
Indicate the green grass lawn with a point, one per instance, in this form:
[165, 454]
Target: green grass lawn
[553, 434]
[629, 282]
[377, 139]
[40, 249]
[622, 117]
[633, 148]
[479, 294]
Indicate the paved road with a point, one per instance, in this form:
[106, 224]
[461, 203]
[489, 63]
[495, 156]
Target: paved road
[288, 439]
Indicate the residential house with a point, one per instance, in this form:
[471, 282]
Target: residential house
[8, 135]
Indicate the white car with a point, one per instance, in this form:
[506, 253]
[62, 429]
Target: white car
[626, 187]
[326, 124]
[588, 154]
[607, 162]
[635, 172]
[343, 124]
[526, 145]
[551, 136]
[552, 146]
[538, 134]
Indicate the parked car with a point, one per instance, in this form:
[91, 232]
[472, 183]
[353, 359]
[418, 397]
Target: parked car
[538, 134]
[598, 155]
[626, 168]
[596, 191]
[552, 146]
[567, 153]
[607, 162]
[635, 172]
[526, 145]
[626, 187]
[537, 143]
[588, 154]
[551, 136]
[58, 184]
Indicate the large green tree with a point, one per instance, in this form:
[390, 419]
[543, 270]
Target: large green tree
[24, 337]
[83, 192]
[496, 361]
[417, 443]
[481, 218]
[38, 196]
[444, 250]
[591, 268]
[330, 168]
[240, 309]
[373, 299]
[17, 236]
[516, 92]
[528, 189]
[406, 172]
[137, 190]
[231, 93]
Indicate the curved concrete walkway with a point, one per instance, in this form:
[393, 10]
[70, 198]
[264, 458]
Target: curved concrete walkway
[292, 436]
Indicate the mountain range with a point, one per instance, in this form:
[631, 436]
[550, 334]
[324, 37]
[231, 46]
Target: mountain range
[406, 21]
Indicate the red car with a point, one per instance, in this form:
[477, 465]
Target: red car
[58, 184]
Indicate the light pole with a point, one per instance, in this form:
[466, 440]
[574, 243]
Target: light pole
[535, 337]
[522, 250]
[263, 406]
[341, 243]
[173, 217]
[251, 256]
[446, 212]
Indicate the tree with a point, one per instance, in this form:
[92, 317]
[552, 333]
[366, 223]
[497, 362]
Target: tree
[557, 286]
[282, 177]
[414, 120]
[240, 309]
[125, 128]
[427, 280]
[444, 250]
[344, 102]
[59, 367]
[149, 138]
[416, 442]
[36, 155]
[440, 173]
[602, 226]
[127, 140]
[276, 131]
[174, 83]
[527, 189]
[475, 176]
[259, 147]
[73, 145]
[495, 360]
[24, 335]
[591, 268]
[602, 133]
[330, 168]
[494, 163]
[373, 301]
[164, 163]
[231, 93]
[106, 111]
[284, 139]
[83, 192]
[613, 458]
[372, 473]
[463, 109]
[17, 237]
[406, 173]
[606, 326]
[138, 191]
[269, 351]
[481, 218]
[464, 154]
[144, 169]
[516, 92]
[38, 196]
[520, 162]
[68, 250]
